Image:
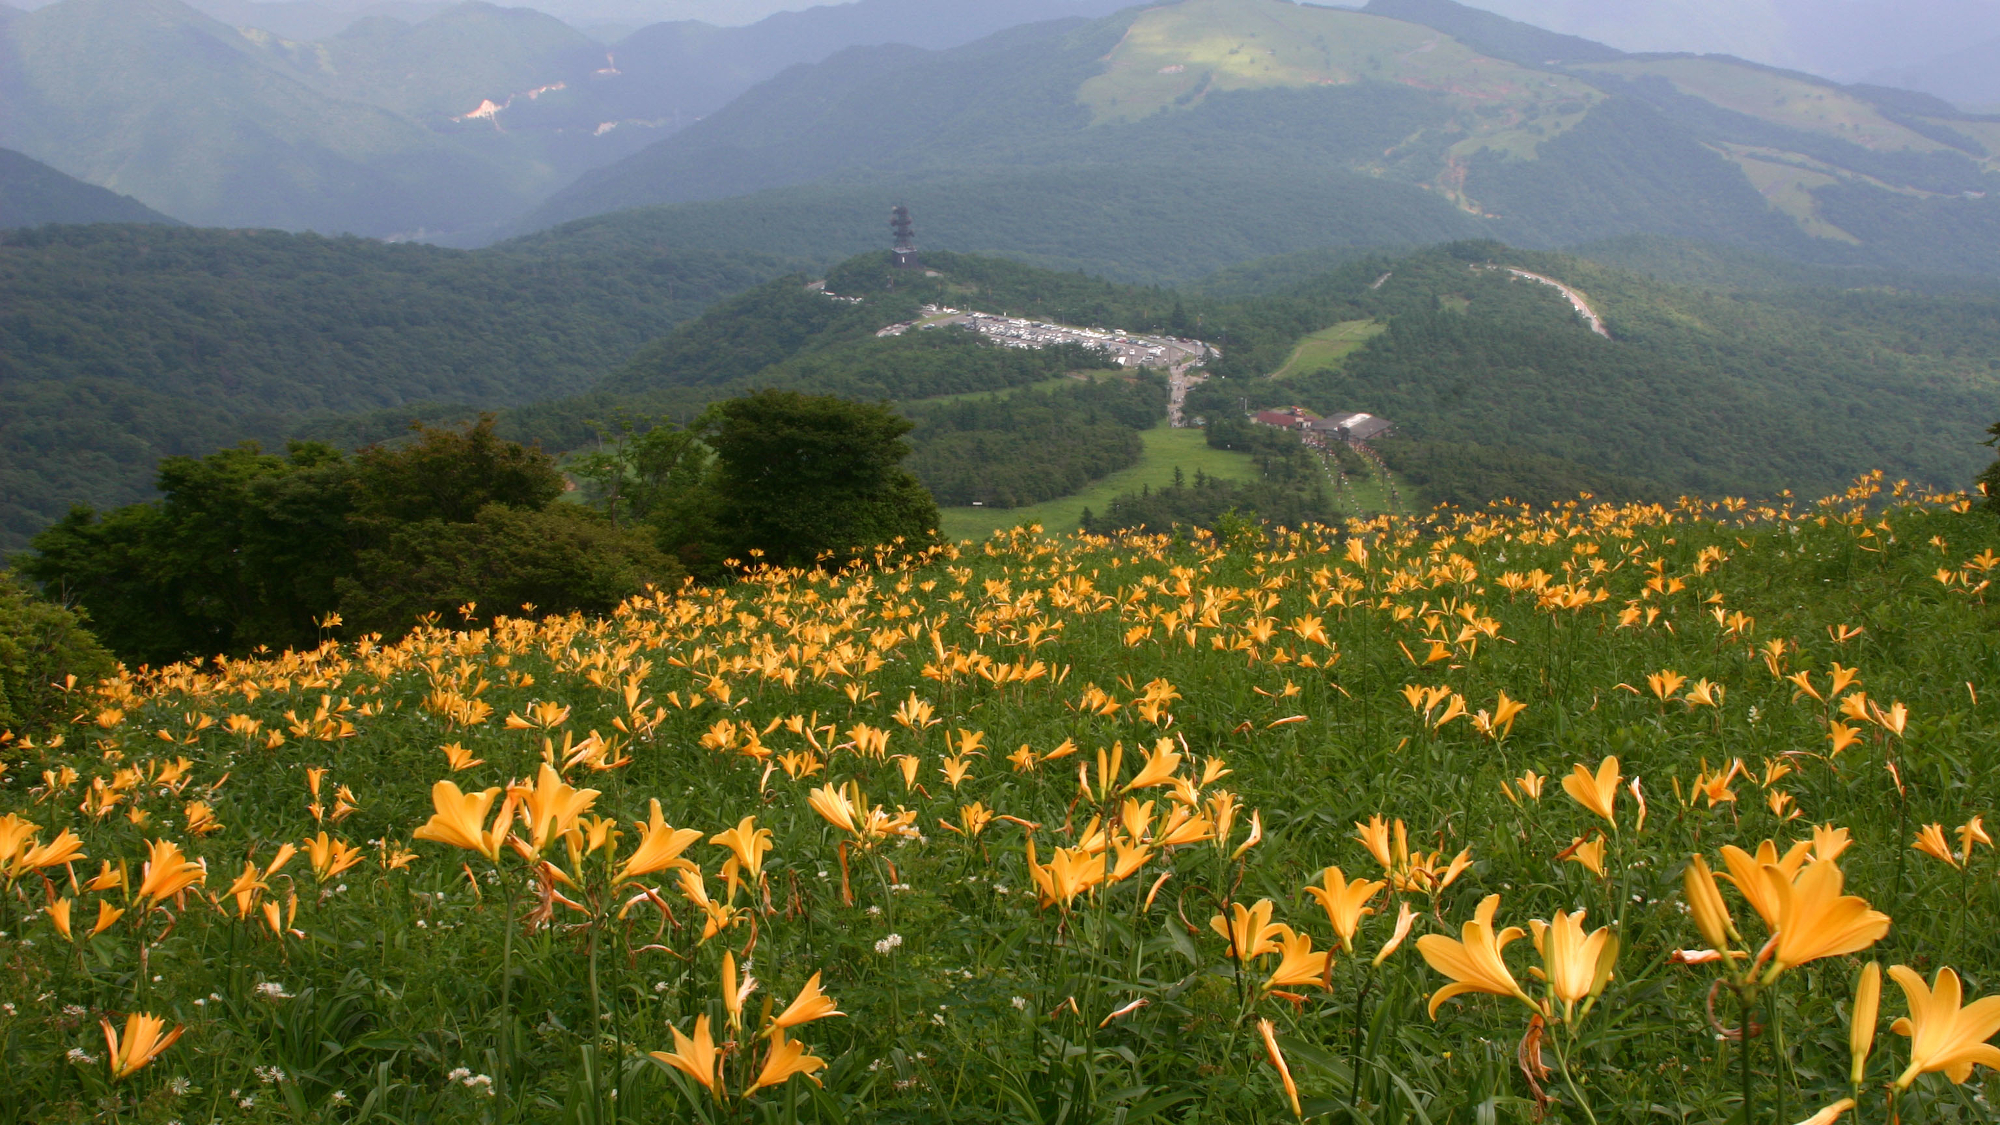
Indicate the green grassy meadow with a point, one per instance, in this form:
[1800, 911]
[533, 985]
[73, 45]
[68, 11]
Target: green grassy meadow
[1327, 347]
[1166, 450]
[1047, 829]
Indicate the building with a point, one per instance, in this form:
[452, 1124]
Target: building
[1352, 427]
[1290, 418]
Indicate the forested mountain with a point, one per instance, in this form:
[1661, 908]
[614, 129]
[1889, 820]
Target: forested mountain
[1024, 139]
[1722, 372]
[32, 193]
[123, 344]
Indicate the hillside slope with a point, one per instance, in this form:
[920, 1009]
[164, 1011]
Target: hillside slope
[1792, 386]
[32, 193]
[1583, 143]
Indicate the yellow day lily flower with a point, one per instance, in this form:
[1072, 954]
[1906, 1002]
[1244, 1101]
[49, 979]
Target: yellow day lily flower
[1130, 859]
[811, 1004]
[1944, 1036]
[786, 1058]
[718, 916]
[140, 1045]
[660, 847]
[733, 992]
[1159, 768]
[972, 820]
[1247, 930]
[550, 807]
[1574, 965]
[1930, 841]
[246, 889]
[1345, 903]
[1070, 873]
[1828, 842]
[64, 848]
[330, 856]
[748, 843]
[1268, 1030]
[1861, 1021]
[1830, 1114]
[15, 832]
[1971, 832]
[1375, 837]
[167, 872]
[1529, 783]
[1185, 826]
[1589, 853]
[1704, 899]
[1297, 963]
[697, 1057]
[1474, 963]
[59, 917]
[460, 819]
[1136, 817]
[1746, 870]
[1405, 918]
[909, 764]
[107, 916]
[833, 806]
[1815, 920]
[1597, 792]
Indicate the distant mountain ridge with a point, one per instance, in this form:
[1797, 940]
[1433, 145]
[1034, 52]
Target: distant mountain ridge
[440, 129]
[32, 193]
[1530, 137]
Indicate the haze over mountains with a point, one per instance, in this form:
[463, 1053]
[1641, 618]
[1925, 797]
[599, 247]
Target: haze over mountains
[441, 129]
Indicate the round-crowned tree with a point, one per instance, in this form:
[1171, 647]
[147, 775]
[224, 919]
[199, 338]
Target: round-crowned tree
[805, 478]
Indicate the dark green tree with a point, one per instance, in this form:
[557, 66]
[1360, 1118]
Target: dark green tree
[802, 477]
[450, 475]
[561, 558]
[242, 549]
[41, 645]
[245, 549]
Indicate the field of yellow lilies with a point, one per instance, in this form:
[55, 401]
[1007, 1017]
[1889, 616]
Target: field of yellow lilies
[1588, 814]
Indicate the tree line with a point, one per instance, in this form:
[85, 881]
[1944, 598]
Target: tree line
[247, 550]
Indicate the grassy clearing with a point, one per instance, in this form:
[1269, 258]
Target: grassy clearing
[1166, 450]
[1327, 347]
[1041, 819]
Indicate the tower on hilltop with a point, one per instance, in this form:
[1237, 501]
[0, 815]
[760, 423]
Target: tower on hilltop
[904, 254]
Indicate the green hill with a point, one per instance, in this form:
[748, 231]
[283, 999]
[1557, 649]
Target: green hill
[1485, 128]
[1749, 392]
[32, 193]
[123, 344]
